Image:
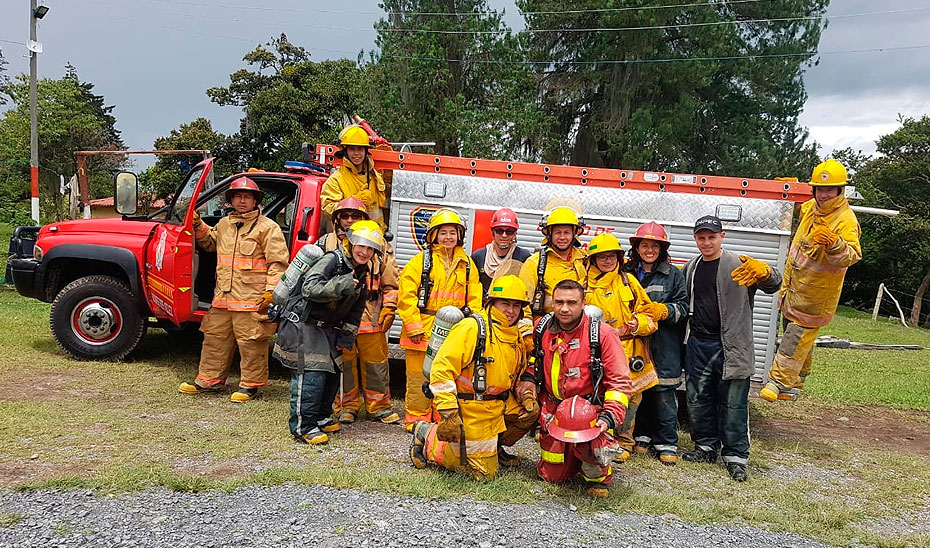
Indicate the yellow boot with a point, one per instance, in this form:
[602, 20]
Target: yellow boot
[770, 392]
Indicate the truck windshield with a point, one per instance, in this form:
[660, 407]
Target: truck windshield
[182, 200]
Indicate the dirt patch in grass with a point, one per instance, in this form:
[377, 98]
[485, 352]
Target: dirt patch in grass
[907, 431]
[48, 387]
[13, 474]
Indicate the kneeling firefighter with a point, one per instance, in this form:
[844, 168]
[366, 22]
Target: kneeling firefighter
[311, 342]
[577, 356]
[441, 275]
[626, 308]
[366, 374]
[472, 380]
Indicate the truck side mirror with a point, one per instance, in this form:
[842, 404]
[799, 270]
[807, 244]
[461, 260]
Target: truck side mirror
[125, 193]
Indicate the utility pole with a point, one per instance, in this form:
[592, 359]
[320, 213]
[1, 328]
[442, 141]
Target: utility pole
[33, 112]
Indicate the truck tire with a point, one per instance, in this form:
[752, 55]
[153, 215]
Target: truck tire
[96, 318]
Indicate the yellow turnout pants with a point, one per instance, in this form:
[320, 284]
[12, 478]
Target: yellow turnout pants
[368, 359]
[794, 357]
[224, 331]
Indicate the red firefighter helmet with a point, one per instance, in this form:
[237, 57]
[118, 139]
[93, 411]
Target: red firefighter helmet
[350, 204]
[244, 183]
[575, 421]
[504, 217]
[650, 231]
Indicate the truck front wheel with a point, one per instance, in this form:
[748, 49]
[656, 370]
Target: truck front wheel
[96, 318]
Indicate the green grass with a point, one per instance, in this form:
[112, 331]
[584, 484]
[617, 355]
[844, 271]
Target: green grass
[893, 378]
[118, 427]
[9, 519]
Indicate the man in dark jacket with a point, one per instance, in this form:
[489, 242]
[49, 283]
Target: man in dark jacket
[335, 292]
[720, 359]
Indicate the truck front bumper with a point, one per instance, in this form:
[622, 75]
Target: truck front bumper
[24, 272]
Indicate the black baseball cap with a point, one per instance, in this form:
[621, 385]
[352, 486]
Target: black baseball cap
[708, 222]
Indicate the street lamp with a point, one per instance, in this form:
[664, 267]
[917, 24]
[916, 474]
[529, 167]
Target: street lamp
[36, 12]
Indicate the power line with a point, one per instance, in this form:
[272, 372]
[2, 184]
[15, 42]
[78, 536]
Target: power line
[658, 27]
[453, 14]
[11, 42]
[668, 60]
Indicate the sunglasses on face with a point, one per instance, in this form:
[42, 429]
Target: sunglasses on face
[352, 216]
[505, 231]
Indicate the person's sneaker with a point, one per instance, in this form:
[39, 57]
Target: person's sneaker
[347, 416]
[668, 458]
[598, 491]
[623, 456]
[769, 392]
[328, 425]
[505, 458]
[194, 388]
[737, 471]
[700, 455]
[387, 417]
[313, 437]
[244, 395]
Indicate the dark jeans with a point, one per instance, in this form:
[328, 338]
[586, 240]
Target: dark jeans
[312, 396]
[657, 418]
[719, 409]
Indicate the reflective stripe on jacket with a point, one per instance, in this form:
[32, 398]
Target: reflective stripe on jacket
[666, 284]
[347, 181]
[814, 274]
[452, 374]
[572, 376]
[449, 288]
[620, 302]
[251, 255]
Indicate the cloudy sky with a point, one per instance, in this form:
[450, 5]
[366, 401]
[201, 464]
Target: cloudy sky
[154, 59]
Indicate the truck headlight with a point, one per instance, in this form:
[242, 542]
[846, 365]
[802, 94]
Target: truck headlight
[37, 253]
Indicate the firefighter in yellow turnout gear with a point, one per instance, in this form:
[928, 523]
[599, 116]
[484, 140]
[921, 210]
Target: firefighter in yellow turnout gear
[564, 260]
[627, 308]
[472, 390]
[365, 370]
[356, 177]
[452, 280]
[251, 255]
[825, 245]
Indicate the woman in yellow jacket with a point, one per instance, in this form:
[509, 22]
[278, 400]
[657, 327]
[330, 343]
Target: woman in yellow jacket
[452, 280]
[626, 308]
[456, 382]
[356, 177]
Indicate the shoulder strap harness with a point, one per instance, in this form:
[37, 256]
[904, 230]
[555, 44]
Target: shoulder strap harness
[538, 306]
[597, 365]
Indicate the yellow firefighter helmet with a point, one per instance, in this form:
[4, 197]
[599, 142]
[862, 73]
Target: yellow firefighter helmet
[366, 233]
[354, 135]
[561, 216]
[508, 287]
[445, 216]
[829, 173]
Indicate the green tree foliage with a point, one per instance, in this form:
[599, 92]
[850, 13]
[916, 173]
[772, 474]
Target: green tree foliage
[454, 88]
[161, 180]
[71, 118]
[287, 100]
[720, 117]
[896, 250]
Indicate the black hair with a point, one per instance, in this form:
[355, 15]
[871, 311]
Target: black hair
[635, 260]
[569, 284]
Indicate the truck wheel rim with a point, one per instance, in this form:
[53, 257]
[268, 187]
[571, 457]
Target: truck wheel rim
[96, 321]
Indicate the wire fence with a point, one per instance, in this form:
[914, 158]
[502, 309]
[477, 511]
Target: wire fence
[889, 308]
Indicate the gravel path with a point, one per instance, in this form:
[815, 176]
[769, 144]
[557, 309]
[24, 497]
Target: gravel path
[325, 517]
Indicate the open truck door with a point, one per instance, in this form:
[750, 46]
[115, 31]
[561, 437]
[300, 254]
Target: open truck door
[169, 251]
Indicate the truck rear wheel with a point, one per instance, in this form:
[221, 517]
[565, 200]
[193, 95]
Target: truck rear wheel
[96, 318]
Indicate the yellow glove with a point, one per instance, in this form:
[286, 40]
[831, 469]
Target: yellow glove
[450, 427]
[750, 272]
[366, 196]
[197, 221]
[386, 318]
[822, 235]
[656, 311]
[264, 302]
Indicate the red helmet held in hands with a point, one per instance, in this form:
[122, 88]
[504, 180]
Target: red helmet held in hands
[244, 183]
[504, 217]
[575, 421]
[650, 231]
